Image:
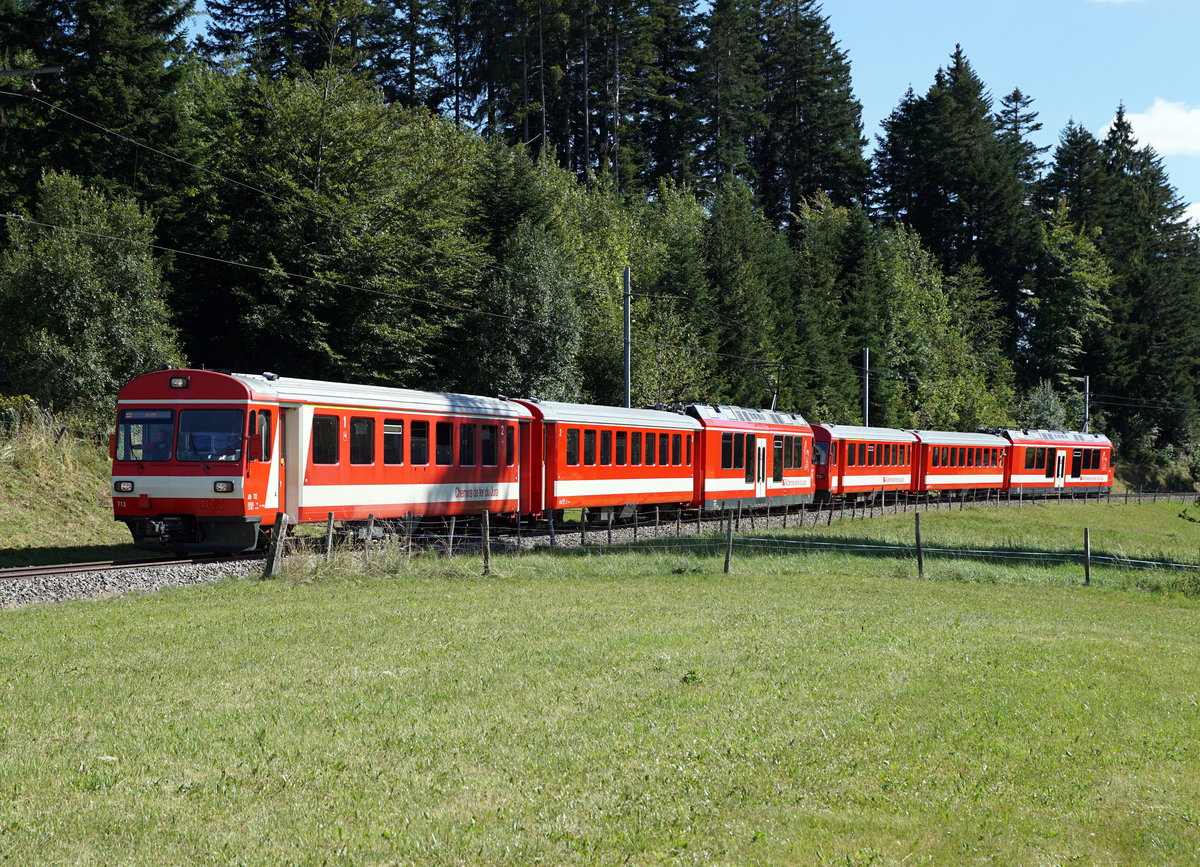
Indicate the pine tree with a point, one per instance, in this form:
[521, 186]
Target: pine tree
[944, 169]
[730, 87]
[122, 66]
[812, 141]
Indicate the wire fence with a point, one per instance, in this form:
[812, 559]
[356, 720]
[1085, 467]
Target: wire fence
[714, 534]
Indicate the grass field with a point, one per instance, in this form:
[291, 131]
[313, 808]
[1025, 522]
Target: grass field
[809, 708]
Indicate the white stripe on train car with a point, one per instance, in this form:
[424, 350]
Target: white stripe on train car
[323, 496]
[848, 479]
[604, 487]
[955, 479]
[181, 487]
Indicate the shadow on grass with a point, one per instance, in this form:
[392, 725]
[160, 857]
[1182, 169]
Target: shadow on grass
[13, 557]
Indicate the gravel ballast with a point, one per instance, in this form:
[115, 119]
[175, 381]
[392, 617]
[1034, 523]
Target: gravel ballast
[95, 585]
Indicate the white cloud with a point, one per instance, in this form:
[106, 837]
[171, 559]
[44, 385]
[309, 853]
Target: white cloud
[1193, 213]
[1171, 128]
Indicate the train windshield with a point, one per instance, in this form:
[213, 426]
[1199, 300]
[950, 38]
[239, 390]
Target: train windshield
[145, 434]
[820, 454]
[209, 435]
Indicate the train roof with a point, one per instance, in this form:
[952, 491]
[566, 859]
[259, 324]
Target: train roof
[617, 416]
[1023, 436]
[857, 432]
[959, 438]
[724, 413]
[211, 385]
[290, 390]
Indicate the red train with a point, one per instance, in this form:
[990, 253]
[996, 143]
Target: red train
[204, 460]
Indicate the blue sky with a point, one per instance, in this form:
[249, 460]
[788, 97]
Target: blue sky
[1078, 59]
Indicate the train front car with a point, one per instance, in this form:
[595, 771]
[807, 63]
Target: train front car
[851, 459]
[953, 461]
[1045, 462]
[753, 457]
[192, 461]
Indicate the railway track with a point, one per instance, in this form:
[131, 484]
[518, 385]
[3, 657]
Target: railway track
[19, 573]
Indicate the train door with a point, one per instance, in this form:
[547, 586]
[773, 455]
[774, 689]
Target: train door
[1060, 471]
[293, 441]
[760, 477]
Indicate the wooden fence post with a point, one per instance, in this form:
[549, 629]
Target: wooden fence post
[329, 536]
[728, 542]
[487, 545]
[582, 527]
[1087, 557]
[450, 541]
[550, 522]
[920, 551]
[275, 552]
[610, 520]
[370, 531]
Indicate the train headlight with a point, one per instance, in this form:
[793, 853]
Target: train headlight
[123, 487]
[179, 382]
[223, 487]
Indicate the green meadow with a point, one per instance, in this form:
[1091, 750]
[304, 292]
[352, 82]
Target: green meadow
[809, 707]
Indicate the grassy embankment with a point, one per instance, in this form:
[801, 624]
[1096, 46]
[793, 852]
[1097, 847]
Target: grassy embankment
[645, 707]
[54, 497]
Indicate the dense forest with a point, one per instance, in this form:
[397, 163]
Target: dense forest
[443, 194]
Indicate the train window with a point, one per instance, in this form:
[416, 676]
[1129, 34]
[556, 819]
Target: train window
[689, 450]
[820, 454]
[777, 460]
[751, 457]
[622, 437]
[1051, 457]
[466, 445]
[664, 450]
[573, 447]
[362, 440]
[589, 448]
[970, 456]
[650, 449]
[1040, 464]
[635, 449]
[833, 450]
[862, 454]
[785, 444]
[265, 431]
[510, 445]
[935, 455]
[872, 458]
[676, 450]
[605, 448]
[393, 440]
[1030, 456]
[851, 452]
[489, 451]
[443, 452]
[145, 434]
[251, 430]
[979, 457]
[206, 435]
[325, 439]
[418, 446]
[739, 451]
[727, 451]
